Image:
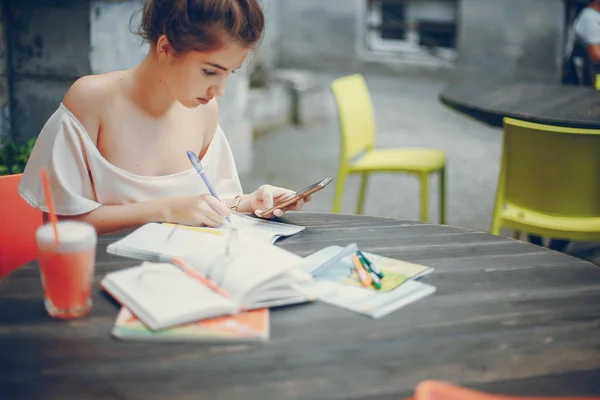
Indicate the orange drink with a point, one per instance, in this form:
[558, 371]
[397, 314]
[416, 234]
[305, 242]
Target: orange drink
[67, 268]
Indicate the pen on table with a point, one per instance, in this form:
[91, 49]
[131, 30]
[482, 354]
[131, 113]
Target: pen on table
[370, 264]
[363, 276]
[197, 275]
[374, 277]
[198, 166]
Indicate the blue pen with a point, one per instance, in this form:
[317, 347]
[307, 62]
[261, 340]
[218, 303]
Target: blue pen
[198, 166]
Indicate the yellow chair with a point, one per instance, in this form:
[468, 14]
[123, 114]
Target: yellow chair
[359, 155]
[549, 182]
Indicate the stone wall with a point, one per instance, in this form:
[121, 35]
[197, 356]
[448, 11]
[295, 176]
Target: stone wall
[318, 34]
[113, 46]
[49, 43]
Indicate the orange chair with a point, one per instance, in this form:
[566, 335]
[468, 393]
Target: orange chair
[439, 390]
[18, 223]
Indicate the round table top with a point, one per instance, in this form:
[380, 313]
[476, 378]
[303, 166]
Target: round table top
[507, 317]
[553, 104]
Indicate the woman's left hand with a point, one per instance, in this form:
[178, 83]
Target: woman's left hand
[267, 195]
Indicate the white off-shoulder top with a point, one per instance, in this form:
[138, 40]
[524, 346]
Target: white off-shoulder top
[81, 179]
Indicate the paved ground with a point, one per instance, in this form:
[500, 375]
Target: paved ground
[408, 114]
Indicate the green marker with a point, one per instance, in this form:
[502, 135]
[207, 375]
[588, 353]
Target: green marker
[366, 264]
[371, 266]
[376, 281]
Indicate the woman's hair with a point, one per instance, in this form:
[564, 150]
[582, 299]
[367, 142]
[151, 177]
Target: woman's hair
[202, 25]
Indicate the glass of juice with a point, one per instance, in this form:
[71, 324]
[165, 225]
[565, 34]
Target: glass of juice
[67, 268]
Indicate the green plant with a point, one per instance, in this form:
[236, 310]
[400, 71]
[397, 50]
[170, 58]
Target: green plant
[14, 156]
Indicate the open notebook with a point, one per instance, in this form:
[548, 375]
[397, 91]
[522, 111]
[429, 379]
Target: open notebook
[254, 275]
[155, 241]
[250, 326]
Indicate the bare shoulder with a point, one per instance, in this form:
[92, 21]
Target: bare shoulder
[85, 100]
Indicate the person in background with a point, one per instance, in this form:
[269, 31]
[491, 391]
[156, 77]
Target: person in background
[116, 147]
[584, 42]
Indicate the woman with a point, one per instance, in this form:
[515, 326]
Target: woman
[115, 149]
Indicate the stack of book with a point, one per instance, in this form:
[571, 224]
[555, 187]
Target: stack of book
[204, 283]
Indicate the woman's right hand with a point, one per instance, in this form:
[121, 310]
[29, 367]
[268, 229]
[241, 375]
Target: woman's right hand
[202, 210]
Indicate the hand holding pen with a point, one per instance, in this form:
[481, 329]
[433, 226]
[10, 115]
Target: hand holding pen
[198, 210]
[198, 166]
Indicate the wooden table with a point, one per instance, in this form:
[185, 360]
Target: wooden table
[554, 104]
[507, 317]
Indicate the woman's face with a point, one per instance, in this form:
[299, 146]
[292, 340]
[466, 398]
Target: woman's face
[195, 78]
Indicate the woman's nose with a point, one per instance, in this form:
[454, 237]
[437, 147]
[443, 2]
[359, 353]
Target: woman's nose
[219, 89]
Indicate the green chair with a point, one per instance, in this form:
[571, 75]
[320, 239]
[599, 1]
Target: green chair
[359, 155]
[549, 182]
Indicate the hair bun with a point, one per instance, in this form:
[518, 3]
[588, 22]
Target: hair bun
[202, 25]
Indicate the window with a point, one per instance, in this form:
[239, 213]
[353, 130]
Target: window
[424, 27]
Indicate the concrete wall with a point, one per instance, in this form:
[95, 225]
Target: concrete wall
[113, 45]
[49, 50]
[267, 52]
[512, 37]
[318, 34]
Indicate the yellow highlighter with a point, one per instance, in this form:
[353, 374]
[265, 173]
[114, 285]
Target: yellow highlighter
[363, 276]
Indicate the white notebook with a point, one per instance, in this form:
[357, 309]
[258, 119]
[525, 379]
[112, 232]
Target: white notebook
[253, 273]
[155, 241]
[262, 229]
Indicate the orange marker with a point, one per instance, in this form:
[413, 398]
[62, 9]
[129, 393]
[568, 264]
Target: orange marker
[363, 276]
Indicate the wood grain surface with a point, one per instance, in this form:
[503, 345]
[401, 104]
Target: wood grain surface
[552, 104]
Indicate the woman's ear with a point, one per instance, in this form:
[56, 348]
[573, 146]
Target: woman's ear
[164, 50]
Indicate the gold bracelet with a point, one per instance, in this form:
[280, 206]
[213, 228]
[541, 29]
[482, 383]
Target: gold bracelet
[236, 202]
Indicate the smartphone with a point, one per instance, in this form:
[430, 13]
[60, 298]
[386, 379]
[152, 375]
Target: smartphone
[315, 187]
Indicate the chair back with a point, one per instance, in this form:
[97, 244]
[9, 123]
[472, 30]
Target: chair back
[433, 389]
[355, 113]
[18, 223]
[550, 169]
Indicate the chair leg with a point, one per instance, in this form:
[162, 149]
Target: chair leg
[339, 191]
[442, 200]
[424, 178]
[535, 239]
[496, 224]
[559, 245]
[364, 177]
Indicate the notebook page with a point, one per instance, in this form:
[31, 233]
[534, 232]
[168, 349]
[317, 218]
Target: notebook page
[280, 287]
[154, 241]
[250, 264]
[264, 230]
[167, 295]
